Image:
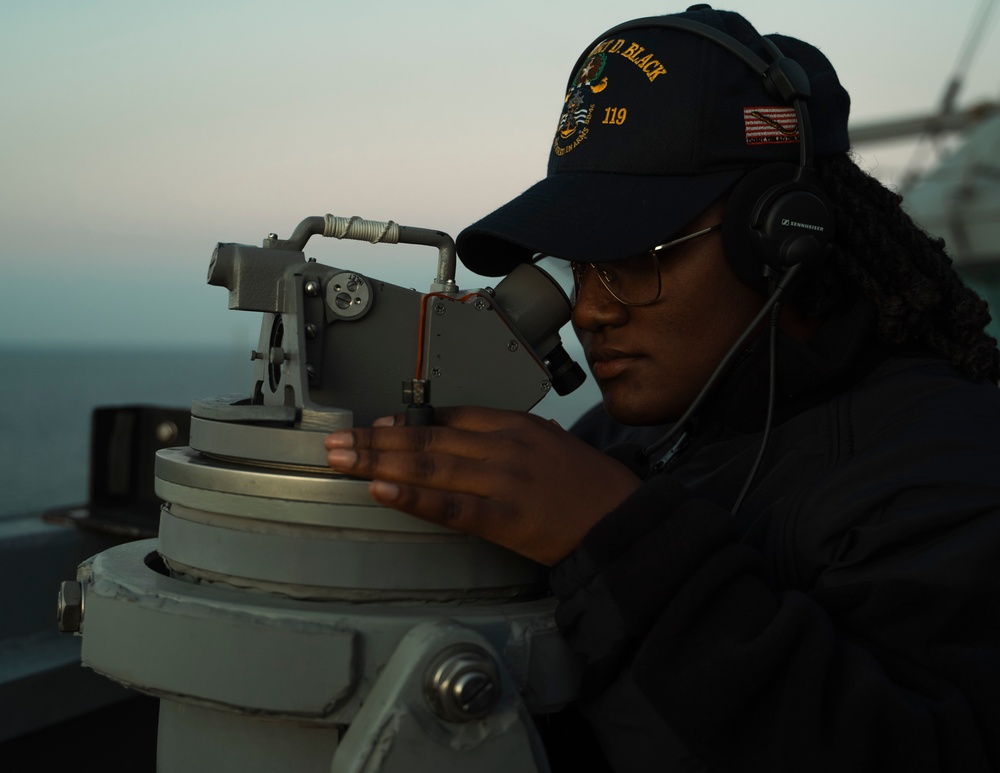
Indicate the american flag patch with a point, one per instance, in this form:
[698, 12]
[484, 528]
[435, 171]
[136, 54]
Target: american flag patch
[770, 125]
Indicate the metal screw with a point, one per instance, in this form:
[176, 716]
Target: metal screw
[475, 693]
[463, 684]
[480, 304]
[440, 309]
[70, 607]
[546, 386]
[273, 237]
[436, 372]
[311, 330]
[278, 355]
[255, 355]
[348, 296]
[312, 288]
[512, 346]
[310, 371]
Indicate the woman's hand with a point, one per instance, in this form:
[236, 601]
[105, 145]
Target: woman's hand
[512, 478]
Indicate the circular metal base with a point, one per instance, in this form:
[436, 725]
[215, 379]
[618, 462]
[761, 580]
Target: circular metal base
[320, 536]
[282, 447]
[271, 656]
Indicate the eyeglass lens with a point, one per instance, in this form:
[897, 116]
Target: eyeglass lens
[633, 281]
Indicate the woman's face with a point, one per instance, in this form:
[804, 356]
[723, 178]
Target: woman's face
[651, 361]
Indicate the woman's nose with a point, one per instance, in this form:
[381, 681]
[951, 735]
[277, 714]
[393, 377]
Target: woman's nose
[593, 305]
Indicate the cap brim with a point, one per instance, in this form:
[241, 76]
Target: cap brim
[588, 217]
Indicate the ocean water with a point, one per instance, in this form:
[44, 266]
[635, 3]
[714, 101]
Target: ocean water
[47, 396]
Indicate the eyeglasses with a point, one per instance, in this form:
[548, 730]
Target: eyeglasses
[633, 281]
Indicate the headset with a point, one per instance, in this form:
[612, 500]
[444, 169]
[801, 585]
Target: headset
[777, 216]
[777, 221]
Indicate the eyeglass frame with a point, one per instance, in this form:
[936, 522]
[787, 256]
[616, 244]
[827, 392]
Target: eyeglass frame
[579, 268]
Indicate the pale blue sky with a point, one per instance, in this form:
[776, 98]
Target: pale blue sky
[136, 135]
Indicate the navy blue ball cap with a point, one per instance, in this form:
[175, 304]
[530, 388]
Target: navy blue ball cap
[656, 124]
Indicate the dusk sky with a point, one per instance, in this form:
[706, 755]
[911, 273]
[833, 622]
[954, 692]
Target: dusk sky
[136, 135]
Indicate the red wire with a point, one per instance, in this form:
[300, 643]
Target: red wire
[423, 316]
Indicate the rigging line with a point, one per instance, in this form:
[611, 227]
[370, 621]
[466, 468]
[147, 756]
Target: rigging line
[973, 37]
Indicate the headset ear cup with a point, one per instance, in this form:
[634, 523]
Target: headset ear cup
[774, 222]
[738, 239]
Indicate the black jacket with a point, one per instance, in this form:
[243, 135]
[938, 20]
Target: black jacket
[847, 618]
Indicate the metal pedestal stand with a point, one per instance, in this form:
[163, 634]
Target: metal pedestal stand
[287, 622]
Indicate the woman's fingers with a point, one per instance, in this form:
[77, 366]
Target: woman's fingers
[479, 516]
[403, 458]
[511, 478]
[438, 457]
[448, 455]
[463, 512]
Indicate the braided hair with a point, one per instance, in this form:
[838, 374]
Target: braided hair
[920, 299]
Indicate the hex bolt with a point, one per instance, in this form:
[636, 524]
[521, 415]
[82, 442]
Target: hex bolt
[463, 684]
[312, 288]
[70, 607]
[255, 355]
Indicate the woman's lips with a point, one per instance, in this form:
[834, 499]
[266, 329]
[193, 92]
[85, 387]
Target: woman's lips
[607, 365]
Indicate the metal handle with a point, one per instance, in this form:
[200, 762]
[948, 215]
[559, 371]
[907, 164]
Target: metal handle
[376, 232]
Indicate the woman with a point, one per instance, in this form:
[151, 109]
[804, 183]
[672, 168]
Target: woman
[804, 574]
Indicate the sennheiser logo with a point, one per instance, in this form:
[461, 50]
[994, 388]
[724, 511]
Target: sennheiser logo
[796, 224]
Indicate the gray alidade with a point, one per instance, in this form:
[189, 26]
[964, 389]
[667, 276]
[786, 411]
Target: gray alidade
[283, 618]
